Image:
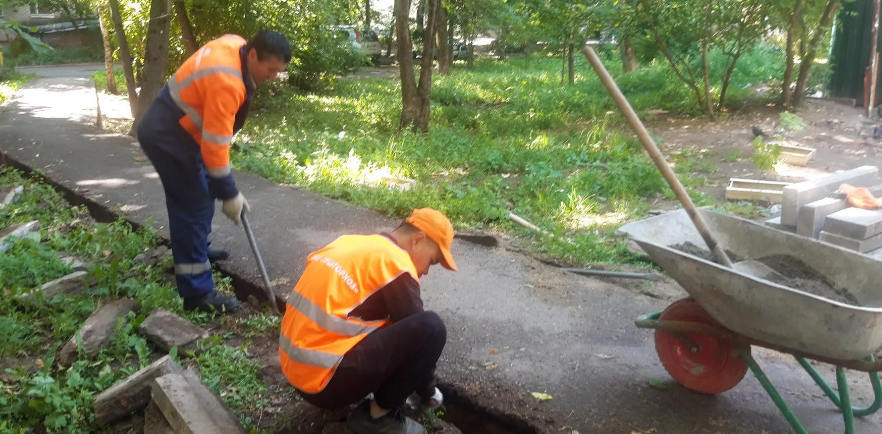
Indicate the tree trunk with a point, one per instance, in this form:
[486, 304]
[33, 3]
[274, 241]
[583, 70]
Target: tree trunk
[424, 90]
[808, 59]
[125, 55]
[788, 65]
[471, 53]
[420, 15]
[108, 51]
[444, 53]
[727, 76]
[155, 58]
[571, 64]
[186, 28]
[708, 99]
[367, 14]
[500, 41]
[629, 56]
[409, 98]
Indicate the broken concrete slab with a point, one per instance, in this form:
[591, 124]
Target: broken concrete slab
[73, 283]
[131, 394]
[18, 231]
[97, 330]
[75, 263]
[191, 408]
[8, 196]
[855, 223]
[863, 246]
[154, 421]
[166, 330]
[797, 195]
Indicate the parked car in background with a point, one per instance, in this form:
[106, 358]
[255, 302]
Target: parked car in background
[364, 42]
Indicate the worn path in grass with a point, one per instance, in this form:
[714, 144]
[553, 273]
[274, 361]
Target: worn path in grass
[515, 326]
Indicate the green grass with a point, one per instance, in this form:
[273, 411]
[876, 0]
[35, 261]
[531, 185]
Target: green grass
[100, 79]
[37, 395]
[505, 136]
[58, 56]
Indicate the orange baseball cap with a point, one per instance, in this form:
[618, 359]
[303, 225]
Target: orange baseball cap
[438, 228]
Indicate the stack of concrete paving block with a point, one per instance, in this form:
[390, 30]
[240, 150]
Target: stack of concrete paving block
[809, 209]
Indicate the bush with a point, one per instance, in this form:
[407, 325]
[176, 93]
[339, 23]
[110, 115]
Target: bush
[316, 65]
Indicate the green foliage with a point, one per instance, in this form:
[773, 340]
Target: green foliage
[743, 209]
[100, 79]
[765, 155]
[259, 324]
[236, 378]
[733, 156]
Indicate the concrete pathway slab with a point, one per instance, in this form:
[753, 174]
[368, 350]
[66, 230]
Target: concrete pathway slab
[515, 326]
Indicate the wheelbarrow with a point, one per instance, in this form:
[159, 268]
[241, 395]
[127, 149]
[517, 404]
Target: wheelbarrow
[704, 341]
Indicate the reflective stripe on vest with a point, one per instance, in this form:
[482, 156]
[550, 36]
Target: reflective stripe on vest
[317, 330]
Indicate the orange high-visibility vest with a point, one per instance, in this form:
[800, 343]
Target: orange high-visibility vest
[215, 69]
[317, 330]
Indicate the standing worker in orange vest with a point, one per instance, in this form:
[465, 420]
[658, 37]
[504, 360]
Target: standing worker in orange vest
[186, 133]
[355, 324]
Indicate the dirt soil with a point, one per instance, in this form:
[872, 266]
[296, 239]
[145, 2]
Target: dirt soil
[842, 136]
[802, 277]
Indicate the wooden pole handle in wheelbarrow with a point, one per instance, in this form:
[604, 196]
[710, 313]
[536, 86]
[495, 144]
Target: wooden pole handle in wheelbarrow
[656, 156]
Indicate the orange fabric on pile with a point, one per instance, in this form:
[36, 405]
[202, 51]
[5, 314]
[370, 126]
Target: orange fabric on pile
[860, 197]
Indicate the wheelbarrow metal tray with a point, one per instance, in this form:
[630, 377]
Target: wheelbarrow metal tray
[760, 309]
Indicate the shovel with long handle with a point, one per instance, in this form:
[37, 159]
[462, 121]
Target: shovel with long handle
[754, 268]
[268, 287]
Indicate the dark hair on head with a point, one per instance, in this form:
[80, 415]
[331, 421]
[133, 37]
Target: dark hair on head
[407, 228]
[270, 43]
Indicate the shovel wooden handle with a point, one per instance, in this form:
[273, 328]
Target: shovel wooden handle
[656, 156]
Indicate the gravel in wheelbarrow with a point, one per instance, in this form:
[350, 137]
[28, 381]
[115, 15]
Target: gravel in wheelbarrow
[799, 275]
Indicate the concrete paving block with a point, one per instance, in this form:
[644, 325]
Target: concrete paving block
[97, 330]
[75, 263]
[154, 421]
[854, 223]
[131, 394]
[191, 408]
[166, 330]
[863, 246]
[797, 195]
[19, 231]
[812, 215]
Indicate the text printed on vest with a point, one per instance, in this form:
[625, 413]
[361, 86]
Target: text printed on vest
[350, 282]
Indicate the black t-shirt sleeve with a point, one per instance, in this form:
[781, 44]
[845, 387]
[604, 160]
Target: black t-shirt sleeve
[399, 299]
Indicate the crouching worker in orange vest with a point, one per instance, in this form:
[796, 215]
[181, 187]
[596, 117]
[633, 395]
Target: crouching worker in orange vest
[355, 324]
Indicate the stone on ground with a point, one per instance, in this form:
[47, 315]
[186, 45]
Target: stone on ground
[191, 408]
[131, 394]
[18, 231]
[9, 195]
[154, 421]
[73, 283]
[166, 330]
[97, 330]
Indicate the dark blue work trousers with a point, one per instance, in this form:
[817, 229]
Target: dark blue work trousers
[190, 210]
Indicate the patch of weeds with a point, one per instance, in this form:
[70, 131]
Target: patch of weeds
[232, 375]
[765, 155]
[791, 121]
[733, 156]
[743, 209]
[259, 324]
[431, 417]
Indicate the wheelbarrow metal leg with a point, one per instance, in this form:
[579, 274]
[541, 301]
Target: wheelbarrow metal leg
[856, 411]
[773, 393]
[845, 400]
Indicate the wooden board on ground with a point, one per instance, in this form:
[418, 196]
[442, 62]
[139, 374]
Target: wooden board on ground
[796, 155]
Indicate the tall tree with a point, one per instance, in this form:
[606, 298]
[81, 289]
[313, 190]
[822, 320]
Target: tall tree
[811, 50]
[444, 57]
[155, 57]
[108, 50]
[125, 55]
[629, 55]
[416, 100]
[190, 42]
[367, 14]
[792, 36]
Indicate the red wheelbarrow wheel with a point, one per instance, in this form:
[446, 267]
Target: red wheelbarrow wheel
[700, 362]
